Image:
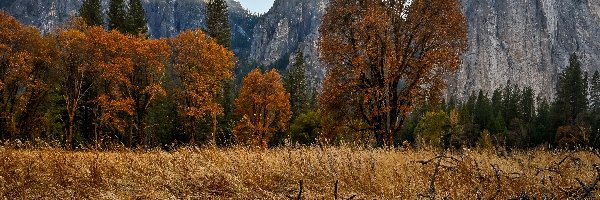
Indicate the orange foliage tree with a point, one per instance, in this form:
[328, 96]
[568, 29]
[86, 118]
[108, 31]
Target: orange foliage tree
[264, 107]
[24, 60]
[385, 56]
[132, 69]
[200, 65]
[76, 65]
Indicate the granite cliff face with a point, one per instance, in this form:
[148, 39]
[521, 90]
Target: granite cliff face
[288, 27]
[525, 42]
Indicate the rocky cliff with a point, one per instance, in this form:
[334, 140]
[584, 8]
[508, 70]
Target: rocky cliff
[288, 27]
[525, 42]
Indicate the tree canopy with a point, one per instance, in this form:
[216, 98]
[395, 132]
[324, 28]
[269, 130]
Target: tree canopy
[384, 57]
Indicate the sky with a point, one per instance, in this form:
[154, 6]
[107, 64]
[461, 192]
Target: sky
[258, 6]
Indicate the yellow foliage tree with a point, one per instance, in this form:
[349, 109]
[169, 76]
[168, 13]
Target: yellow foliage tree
[200, 65]
[264, 107]
[383, 57]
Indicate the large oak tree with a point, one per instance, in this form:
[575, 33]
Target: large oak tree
[383, 57]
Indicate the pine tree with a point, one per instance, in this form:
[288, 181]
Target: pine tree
[542, 123]
[117, 16]
[527, 105]
[90, 12]
[483, 112]
[595, 108]
[218, 22]
[295, 84]
[571, 97]
[595, 93]
[136, 18]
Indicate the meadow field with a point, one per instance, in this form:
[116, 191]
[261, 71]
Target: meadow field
[298, 173]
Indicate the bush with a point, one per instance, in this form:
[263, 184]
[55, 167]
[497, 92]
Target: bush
[305, 128]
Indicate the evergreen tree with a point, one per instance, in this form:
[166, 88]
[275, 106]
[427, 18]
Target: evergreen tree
[527, 105]
[117, 16]
[542, 123]
[510, 103]
[483, 112]
[595, 108]
[497, 100]
[595, 93]
[571, 97]
[218, 22]
[136, 18]
[91, 12]
[295, 84]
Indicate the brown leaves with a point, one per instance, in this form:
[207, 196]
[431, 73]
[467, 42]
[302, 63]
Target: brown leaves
[384, 57]
[199, 67]
[264, 107]
[24, 54]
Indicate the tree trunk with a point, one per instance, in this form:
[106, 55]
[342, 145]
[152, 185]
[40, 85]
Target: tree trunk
[141, 130]
[192, 131]
[214, 129]
[69, 139]
[129, 141]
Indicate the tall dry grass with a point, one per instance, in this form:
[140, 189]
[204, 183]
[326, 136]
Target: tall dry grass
[327, 173]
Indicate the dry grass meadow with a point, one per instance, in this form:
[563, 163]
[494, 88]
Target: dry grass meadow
[290, 173]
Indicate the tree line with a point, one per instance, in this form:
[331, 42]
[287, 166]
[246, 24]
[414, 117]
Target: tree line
[96, 84]
[513, 117]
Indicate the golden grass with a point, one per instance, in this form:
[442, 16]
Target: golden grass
[240, 173]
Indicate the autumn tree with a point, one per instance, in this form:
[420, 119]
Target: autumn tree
[200, 65]
[132, 69]
[264, 108]
[77, 61]
[384, 57]
[25, 57]
[91, 12]
[217, 21]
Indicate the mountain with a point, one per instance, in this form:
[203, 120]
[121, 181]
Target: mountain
[288, 27]
[525, 42]
[166, 18]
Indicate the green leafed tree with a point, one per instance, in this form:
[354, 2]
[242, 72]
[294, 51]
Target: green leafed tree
[295, 84]
[117, 16]
[136, 18]
[91, 13]
[218, 22]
